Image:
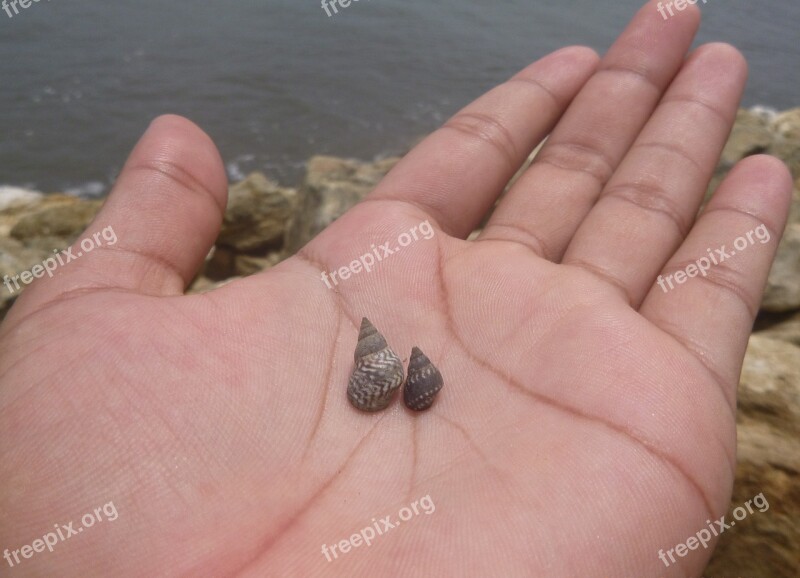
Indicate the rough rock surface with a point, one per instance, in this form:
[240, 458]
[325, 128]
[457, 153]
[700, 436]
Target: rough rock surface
[253, 228]
[783, 286]
[787, 124]
[766, 543]
[331, 186]
[32, 226]
[14, 197]
[750, 135]
[786, 328]
[65, 217]
[256, 215]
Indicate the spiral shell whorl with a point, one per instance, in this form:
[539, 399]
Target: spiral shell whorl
[378, 371]
[423, 383]
[369, 340]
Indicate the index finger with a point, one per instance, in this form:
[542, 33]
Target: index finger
[456, 173]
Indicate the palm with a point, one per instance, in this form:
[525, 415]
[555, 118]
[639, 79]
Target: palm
[584, 425]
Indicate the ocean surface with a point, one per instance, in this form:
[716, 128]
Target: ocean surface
[277, 81]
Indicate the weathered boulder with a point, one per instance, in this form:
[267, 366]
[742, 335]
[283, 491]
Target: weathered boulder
[15, 197]
[768, 417]
[783, 285]
[15, 257]
[256, 216]
[787, 124]
[331, 186]
[225, 262]
[785, 127]
[57, 216]
[750, 135]
[788, 329]
[758, 132]
[794, 210]
[245, 265]
[204, 285]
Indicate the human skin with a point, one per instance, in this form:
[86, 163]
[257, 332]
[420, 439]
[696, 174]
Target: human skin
[587, 419]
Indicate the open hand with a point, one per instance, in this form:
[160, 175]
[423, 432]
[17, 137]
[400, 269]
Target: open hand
[588, 415]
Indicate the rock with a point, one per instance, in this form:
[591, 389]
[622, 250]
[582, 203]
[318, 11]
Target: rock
[788, 150]
[757, 131]
[786, 144]
[783, 285]
[750, 135]
[31, 227]
[15, 257]
[15, 197]
[768, 417]
[787, 124]
[14, 201]
[227, 263]
[204, 285]
[245, 265]
[60, 216]
[787, 330]
[6, 301]
[769, 392]
[332, 185]
[257, 213]
[221, 264]
[253, 229]
[794, 210]
[48, 244]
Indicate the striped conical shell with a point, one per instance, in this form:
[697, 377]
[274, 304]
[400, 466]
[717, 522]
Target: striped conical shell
[378, 371]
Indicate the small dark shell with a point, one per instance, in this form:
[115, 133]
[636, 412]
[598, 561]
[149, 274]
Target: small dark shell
[423, 383]
[378, 371]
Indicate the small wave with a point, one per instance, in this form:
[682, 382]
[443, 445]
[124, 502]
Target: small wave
[239, 167]
[765, 112]
[90, 190]
[11, 196]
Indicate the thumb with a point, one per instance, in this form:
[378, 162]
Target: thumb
[158, 223]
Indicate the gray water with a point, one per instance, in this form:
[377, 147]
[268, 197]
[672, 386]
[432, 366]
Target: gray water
[276, 81]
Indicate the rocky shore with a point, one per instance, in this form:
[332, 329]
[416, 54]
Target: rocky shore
[265, 223]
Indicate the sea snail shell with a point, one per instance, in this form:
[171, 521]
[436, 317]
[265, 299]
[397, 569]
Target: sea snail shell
[378, 372]
[423, 383]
